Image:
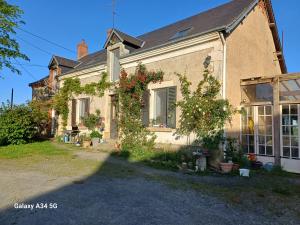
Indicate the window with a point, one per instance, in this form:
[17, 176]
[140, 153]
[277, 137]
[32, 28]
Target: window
[115, 64]
[181, 33]
[265, 130]
[290, 131]
[248, 130]
[164, 107]
[84, 107]
[53, 80]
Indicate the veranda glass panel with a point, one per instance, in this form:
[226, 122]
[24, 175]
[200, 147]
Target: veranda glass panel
[290, 131]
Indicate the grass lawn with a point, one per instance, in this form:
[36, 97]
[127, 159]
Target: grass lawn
[44, 148]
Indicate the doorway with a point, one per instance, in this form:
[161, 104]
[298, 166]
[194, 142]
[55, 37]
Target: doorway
[113, 117]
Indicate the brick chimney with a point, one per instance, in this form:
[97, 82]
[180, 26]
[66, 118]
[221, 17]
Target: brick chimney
[82, 49]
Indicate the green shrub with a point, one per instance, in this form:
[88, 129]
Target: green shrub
[95, 134]
[18, 125]
[92, 120]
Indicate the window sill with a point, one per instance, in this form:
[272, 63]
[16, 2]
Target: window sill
[160, 129]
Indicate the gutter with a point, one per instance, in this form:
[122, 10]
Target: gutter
[224, 79]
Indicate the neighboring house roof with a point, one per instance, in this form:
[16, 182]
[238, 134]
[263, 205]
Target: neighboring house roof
[224, 18]
[42, 80]
[66, 62]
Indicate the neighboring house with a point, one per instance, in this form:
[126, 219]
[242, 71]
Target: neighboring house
[241, 40]
[45, 88]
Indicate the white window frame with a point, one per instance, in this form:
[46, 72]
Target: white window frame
[281, 134]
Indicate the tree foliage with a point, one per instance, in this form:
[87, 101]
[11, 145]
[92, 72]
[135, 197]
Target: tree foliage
[18, 125]
[10, 18]
[71, 87]
[130, 94]
[203, 112]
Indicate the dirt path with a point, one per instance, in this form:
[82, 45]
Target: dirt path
[113, 191]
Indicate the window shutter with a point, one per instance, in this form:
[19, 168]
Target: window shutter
[171, 109]
[145, 109]
[87, 106]
[74, 106]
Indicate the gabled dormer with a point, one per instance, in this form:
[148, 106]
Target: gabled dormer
[119, 44]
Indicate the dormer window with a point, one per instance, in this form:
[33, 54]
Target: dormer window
[115, 64]
[181, 33]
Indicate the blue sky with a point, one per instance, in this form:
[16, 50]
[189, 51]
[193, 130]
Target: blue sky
[66, 22]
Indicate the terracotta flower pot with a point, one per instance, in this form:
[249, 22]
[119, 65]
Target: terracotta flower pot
[86, 144]
[226, 167]
[235, 166]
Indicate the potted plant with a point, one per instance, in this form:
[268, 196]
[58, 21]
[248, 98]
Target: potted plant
[226, 167]
[95, 136]
[86, 141]
[233, 153]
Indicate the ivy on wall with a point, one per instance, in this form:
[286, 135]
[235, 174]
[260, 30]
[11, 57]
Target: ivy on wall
[130, 92]
[72, 86]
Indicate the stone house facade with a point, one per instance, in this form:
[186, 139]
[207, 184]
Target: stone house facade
[240, 39]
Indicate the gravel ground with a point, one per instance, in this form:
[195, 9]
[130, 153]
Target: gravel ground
[110, 197]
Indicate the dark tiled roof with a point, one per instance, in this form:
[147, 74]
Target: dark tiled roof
[127, 39]
[216, 19]
[38, 81]
[65, 62]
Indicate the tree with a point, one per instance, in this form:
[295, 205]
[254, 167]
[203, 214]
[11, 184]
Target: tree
[203, 112]
[10, 18]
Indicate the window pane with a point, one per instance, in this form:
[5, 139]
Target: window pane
[115, 65]
[294, 120]
[294, 141]
[285, 130]
[294, 130]
[269, 140]
[251, 140]
[269, 150]
[294, 109]
[261, 140]
[286, 152]
[251, 148]
[295, 153]
[262, 150]
[285, 120]
[261, 130]
[160, 117]
[285, 140]
[285, 109]
[268, 120]
[269, 130]
[268, 110]
[261, 110]
[261, 120]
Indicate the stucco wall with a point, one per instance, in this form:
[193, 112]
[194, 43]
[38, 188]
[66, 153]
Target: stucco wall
[190, 64]
[250, 53]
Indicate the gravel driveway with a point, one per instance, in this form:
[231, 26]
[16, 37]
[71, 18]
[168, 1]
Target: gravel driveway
[110, 197]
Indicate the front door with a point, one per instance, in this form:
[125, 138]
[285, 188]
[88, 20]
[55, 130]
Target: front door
[257, 130]
[113, 118]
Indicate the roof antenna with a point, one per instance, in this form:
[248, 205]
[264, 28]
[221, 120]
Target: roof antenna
[113, 12]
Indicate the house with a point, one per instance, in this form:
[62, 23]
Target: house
[45, 88]
[241, 41]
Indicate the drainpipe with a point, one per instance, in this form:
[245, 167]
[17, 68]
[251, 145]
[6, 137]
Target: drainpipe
[224, 78]
[224, 65]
